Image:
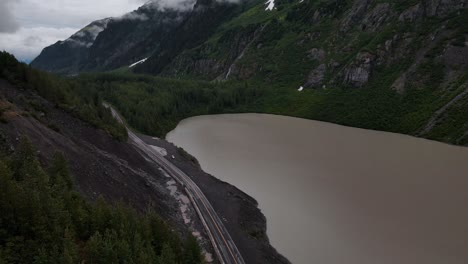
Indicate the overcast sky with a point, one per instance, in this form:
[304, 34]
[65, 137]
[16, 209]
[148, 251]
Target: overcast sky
[27, 26]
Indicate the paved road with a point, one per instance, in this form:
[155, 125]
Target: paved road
[223, 244]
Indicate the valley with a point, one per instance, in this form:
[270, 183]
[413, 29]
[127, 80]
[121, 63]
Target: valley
[238, 131]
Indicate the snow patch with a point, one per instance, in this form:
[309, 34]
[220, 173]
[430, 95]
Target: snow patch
[271, 5]
[138, 62]
[300, 89]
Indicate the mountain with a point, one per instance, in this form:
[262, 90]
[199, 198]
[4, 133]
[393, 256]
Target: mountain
[152, 30]
[67, 56]
[329, 43]
[335, 42]
[399, 66]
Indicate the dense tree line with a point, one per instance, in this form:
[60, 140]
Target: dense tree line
[155, 105]
[42, 220]
[67, 94]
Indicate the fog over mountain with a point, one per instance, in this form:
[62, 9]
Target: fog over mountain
[27, 26]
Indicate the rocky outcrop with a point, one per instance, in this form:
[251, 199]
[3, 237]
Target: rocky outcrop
[316, 77]
[355, 15]
[441, 8]
[412, 14]
[191, 66]
[456, 56]
[316, 54]
[431, 8]
[232, 47]
[358, 73]
[379, 15]
[243, 71]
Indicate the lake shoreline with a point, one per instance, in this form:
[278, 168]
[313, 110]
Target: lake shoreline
[247, 225]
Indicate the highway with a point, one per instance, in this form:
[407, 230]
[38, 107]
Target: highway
[222, 242]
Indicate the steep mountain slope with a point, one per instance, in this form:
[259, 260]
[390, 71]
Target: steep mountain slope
[153, 30]
[337, 43]
[71, 121]
[68, 56]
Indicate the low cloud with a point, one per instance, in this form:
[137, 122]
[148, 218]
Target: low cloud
[8, 24]
[27, 26]
[27, 43]
[132, 16]
[178, 5]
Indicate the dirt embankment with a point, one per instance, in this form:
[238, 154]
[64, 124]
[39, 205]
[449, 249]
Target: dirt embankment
[100, 165]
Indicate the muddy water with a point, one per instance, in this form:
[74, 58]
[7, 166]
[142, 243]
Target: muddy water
[340, 195]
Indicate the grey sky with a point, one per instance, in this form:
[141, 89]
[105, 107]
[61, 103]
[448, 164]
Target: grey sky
[7, 21]
[27, 26]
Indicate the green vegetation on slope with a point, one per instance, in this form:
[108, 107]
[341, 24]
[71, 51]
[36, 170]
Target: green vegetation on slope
[387, 65]
[155, 105]
[81, 101]
[42, 220]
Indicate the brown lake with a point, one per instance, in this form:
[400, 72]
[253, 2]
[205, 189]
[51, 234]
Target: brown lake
[339, 195]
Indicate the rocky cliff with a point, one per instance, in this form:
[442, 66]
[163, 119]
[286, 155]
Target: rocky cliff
[337, 43]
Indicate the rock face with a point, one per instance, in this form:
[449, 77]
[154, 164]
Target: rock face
[315, 77]
[185, 65]
[193, 63]
[316, 54]
[441, 8]
[355, 14]
[431, 8]
[357, 76]
[412, 14]
[377, 17]
[358, 73]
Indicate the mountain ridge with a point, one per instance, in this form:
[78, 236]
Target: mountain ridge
[151, 29]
